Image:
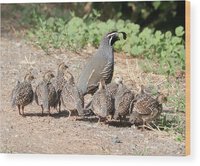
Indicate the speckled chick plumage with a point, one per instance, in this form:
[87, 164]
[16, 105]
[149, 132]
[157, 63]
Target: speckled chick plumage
[123, 102]
[23, 94]
[112, 88]
[71, 98]
[60, 82]
[102, 102]
[45, 93]
[146, 108]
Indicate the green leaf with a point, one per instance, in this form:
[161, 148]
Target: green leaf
[176, 40]
[163, 54]
[179, 31]
[50, 22]
[156, 4]
[168, 34]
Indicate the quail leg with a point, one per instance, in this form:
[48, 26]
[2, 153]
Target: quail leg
[120, 119]
[23, 111]
[42, 110]
[49, 110]
[150, 127]
[59, 105]
[74, 117]
[109, 118]
[156, 126]
[143, 125]
[69, 114]
[147, 125]
[19, 109]
[99, 120]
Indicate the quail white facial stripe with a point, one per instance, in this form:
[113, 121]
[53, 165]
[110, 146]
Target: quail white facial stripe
[111, 37]
[110, 40]
[112, 34]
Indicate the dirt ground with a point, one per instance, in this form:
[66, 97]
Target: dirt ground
[58, 134]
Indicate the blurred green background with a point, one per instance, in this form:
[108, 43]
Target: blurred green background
[155, 30]
[162, 15]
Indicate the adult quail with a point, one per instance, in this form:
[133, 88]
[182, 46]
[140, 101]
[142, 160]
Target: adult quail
[102, 102]
[45, 93]
[123, 102]
[23, 94]
[71, 98]
[113, 86]
[60, 82]
[146, 108]
[100, 66]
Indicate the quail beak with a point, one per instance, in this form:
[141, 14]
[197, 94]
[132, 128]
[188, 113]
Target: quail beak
[124, 35]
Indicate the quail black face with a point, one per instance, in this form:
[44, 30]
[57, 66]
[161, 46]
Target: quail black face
[114, 36]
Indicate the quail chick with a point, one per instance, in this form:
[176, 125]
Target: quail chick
[146, 108]
[23, 94]
[62, 76]
[60, 82]
[113, 86]
[123, 102]
[45, 93]
[71, 98]
[102, 102]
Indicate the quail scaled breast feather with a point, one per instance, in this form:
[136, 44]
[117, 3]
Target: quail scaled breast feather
[100, 66]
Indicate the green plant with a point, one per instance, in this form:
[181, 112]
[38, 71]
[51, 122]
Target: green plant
[179, 138]
[171, 122]
[164, 52]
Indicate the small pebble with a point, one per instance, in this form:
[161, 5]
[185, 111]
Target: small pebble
[116, 140]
